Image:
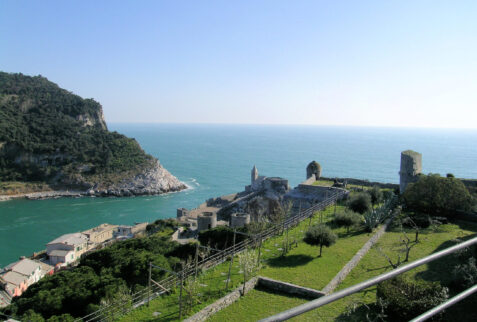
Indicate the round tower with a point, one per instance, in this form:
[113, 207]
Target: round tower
[207, 220]
[411, 167]
[314, 168]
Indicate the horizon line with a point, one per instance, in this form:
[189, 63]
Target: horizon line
[298, 124]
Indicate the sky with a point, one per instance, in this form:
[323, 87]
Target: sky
[360, 63]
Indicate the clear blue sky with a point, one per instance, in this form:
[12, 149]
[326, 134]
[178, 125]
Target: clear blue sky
[379, 63]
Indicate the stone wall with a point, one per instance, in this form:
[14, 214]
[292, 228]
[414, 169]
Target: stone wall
[365, 183]
[288, 288]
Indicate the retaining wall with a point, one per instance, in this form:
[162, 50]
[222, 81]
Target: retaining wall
[289, 288]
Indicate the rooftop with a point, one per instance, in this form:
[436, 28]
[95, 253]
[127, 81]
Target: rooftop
[70, 239]
[25, 266]
[13, 278]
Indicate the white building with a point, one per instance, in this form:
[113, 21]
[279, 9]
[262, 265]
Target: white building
[67, 248]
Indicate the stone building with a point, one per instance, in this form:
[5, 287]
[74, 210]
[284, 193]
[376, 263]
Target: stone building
[100, 234]
[238, 220]
[274, 185]
[206, 220]
[411, 167]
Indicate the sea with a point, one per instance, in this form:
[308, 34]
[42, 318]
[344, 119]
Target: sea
[215, 160]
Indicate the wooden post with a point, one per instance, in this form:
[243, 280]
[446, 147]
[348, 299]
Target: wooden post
[180, 294]
[259, 250]
[196, 259]
[149, 284]
[231, 263]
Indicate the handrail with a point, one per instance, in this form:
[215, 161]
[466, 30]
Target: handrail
[459, 297]
[285, 315]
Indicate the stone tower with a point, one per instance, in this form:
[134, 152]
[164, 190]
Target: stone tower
[254, 174]
[411, 167]
[314, 168]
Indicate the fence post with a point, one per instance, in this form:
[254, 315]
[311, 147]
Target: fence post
[180, 295]
[196, 258]
[149, 284]
[231, 263]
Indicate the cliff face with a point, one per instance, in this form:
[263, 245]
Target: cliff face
[50, 135]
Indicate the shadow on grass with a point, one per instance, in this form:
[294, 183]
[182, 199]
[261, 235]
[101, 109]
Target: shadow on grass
[441, 269]
[290, 261]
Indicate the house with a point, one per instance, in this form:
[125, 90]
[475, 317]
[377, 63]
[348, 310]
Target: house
[26, 267]
[67, 249]
[13, 283]
[18, 276]
[100, 234]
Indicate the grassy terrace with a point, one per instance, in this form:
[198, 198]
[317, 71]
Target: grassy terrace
[300, 266]
[258, 304]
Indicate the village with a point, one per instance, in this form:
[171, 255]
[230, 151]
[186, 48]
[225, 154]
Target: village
[61, 253]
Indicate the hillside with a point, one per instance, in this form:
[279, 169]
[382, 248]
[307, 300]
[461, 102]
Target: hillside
[50, 135]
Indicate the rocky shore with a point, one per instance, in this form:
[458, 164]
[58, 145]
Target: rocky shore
[153, 181]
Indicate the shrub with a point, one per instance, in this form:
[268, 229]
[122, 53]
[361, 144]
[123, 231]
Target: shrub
[347, 219]
[376, 195]
[465, 275]
[405, 299]
[420, 220]
[360, 202]
[436, 195]
[320, 235]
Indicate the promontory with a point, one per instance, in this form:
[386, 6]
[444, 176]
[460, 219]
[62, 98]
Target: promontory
[54, 140]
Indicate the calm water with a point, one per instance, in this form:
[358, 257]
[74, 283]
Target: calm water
[216, 159]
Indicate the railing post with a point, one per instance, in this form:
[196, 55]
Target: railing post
[180, 295]
[149, 284]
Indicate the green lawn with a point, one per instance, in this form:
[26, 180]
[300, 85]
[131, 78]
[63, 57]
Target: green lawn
[294, 268]
[372, 264]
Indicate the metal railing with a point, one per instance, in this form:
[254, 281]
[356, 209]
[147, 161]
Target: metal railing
[298, 310]
[142, 297]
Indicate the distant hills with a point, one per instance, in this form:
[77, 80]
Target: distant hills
[48, 134]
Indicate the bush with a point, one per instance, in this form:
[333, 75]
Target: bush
[420, 220]
[465, 275]
[347, 218]
[320, 235]
[376, 195]
[405, 299]
[360, 202]
[436, 195]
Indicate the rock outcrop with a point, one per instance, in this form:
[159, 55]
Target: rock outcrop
[155, 180]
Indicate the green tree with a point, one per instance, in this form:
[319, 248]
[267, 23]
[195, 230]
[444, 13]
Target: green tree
[360, 202]
[405, 299]
[376, 195]
[347, 218]
[436, 195]
[320, 235]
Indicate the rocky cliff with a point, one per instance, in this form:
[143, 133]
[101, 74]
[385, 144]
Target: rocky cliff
[50, 135]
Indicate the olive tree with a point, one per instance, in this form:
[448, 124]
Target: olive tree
[320, 235]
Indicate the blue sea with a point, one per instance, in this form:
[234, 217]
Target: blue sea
[215, 160]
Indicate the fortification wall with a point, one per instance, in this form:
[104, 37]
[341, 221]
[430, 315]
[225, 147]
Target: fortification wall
[365, 183]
